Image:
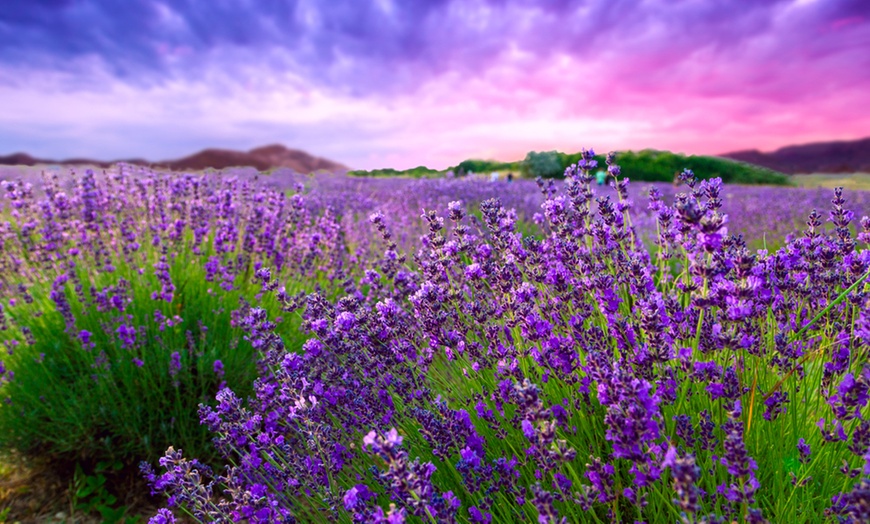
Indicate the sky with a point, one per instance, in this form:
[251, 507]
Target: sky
[390, 83]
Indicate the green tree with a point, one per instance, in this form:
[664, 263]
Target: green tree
[545, 164]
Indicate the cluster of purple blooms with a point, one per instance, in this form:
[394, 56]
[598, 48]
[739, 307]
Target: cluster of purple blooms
[616, 365]
[133, 279]
[573, 374]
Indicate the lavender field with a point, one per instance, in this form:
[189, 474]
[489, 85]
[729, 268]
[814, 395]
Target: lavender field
[287, 348]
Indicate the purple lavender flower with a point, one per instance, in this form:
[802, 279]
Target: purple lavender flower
[175, 363]
[804, 451]
[359, 494]
[478, 517]
[127, 334]
[775, 405]
[163, 516]
[345, 321]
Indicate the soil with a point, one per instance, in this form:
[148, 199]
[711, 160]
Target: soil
[40, 493]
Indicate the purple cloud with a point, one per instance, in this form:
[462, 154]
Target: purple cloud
[366, 47]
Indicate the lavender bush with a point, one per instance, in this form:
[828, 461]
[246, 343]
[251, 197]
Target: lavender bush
[555, 356]
[122, 297]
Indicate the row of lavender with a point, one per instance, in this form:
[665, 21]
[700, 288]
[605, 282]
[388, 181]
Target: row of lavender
[490, 375]
[702, 383]
[762, 214]
[129, 286]
[759, 213]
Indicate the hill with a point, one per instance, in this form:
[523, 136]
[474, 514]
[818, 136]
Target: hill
[818, 157]
[261, 158]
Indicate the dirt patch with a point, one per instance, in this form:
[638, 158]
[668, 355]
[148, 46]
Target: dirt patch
[42, 493]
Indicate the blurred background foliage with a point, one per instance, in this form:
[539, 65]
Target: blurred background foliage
[647, 165]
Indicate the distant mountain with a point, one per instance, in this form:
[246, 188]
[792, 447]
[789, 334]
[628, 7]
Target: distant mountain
[18, 159]
[819, 157]
[261, 158]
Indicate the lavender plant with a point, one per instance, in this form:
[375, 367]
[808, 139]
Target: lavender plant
[570, 356]
[577, 376]
[122, 297]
